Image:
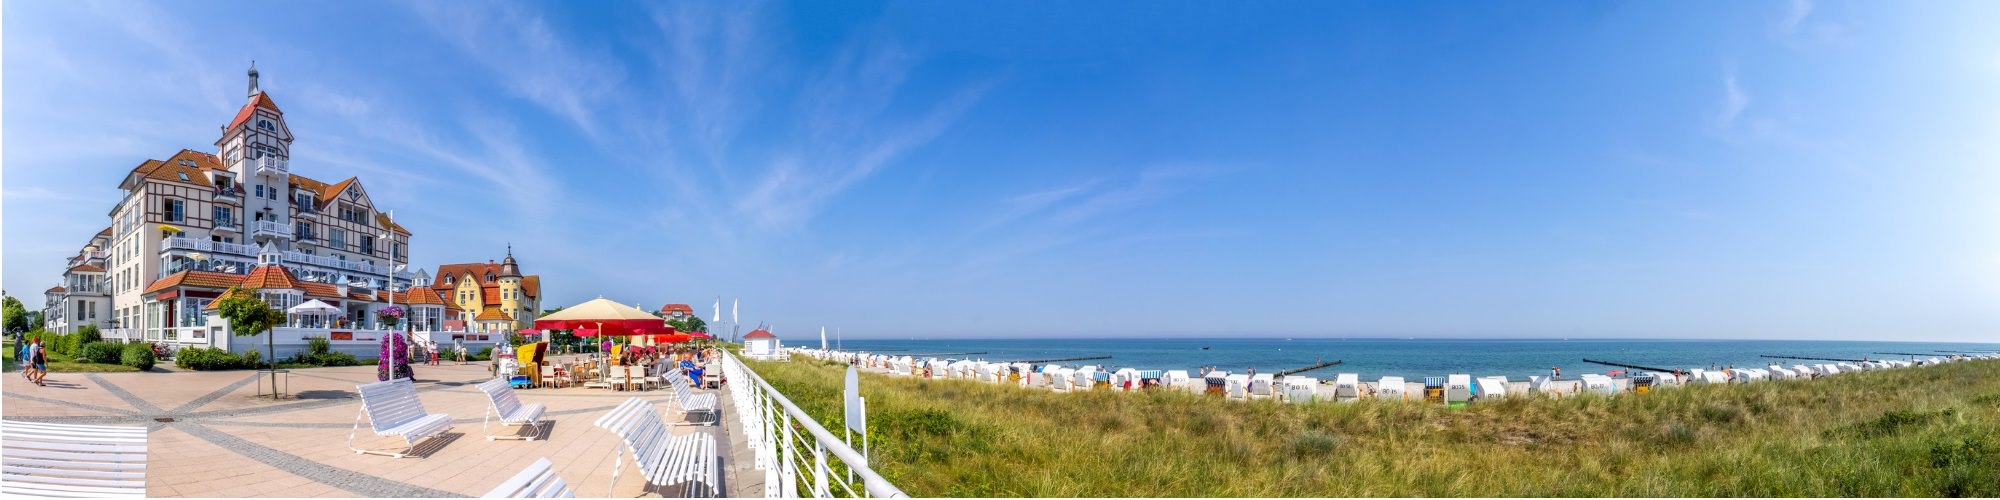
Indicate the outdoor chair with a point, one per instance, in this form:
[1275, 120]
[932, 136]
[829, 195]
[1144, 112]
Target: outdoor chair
[595, 377]
[537, 481]
[392, 409]
[662, 458]
[695, 403]
[65, 460]
[510, 410]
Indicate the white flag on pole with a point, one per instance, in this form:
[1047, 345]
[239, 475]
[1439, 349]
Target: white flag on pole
[822, 338]
[717, 317]
[733, 304]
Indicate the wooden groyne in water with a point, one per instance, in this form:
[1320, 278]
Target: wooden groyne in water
[1815, 359]
[1905, 354]
[1633, 367]
[945, 354]
[1309, 368]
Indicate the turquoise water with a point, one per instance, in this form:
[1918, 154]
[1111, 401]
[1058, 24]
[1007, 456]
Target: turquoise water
[1409, 358]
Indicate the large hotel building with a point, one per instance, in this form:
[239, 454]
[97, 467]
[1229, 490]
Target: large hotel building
[197, 223]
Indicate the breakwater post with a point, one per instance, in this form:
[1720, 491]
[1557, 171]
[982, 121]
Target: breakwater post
[1309, 368]
[1815, 359]
[1633, 367]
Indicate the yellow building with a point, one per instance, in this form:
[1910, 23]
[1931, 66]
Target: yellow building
[491, 297]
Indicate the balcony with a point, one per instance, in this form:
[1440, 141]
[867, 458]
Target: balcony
[271, 165]
[208, 246]
[271, 228]
[228, 192]
[227, 226]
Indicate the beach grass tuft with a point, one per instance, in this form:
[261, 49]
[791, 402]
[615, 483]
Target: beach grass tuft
[1929, 432]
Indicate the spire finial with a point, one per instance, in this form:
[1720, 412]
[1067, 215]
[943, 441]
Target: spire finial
[253, 78]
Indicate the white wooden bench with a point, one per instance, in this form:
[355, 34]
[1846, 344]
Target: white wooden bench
[661, 457]
[537, 481]
[392, 409]
[694, 403]
[64, 460]
[510, 410]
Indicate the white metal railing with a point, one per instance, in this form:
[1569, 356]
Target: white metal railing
[227, 225]
[772, 424]
[209, 246]
[125, 334]
[273, 227]
[336, 263]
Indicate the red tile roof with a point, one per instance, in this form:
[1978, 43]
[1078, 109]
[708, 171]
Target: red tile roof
[456, 271]
[490, 295]
[199, 279]
[531, 285]
[327, 195]
[759, 333]
[178, 165]
[105, 232]
[56, 289]
[424, 296]
[683, 308]
[217, 303]
[491, 313]
[327, 290]
[261, 100]
[271, 277]
[86, 268]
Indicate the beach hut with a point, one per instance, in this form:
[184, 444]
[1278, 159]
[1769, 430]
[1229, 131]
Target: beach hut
[1599, 384]
[1391, 388]
[1144, 379]
[1263, 385]
[1084, 379]
[1457, 389]
[984, 372]
[1064, 379]
[1046, 377]
[1644, 383]
[1238, 385]
[1217, 383]
[1298, 388]
[1848, 367]
[1490, 387]
[1434, 390]
[1346, 387]
[1800, 371]
[1663, 379]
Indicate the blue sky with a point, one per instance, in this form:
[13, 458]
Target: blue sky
[933, 169]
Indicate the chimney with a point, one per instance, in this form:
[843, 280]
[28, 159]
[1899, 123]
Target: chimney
[340, 289]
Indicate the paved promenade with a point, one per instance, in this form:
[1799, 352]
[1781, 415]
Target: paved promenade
[210, 437]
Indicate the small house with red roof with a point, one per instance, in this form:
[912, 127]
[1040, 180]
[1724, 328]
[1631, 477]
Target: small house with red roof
[762, 344]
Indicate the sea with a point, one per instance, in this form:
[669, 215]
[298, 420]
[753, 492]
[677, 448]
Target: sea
[1410, 358]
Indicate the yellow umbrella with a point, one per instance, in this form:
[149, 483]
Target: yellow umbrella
[164, 227]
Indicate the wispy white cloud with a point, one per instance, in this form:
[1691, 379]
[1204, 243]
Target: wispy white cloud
[521, 50]
[1798, 29]
[1734, 101]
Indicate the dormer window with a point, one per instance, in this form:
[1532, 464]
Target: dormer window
[489, 276]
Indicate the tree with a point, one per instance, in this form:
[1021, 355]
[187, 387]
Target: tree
[694, 324]
[250, 316]
[15, 315]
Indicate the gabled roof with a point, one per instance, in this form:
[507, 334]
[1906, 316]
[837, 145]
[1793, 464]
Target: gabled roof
[327, 195]
[105, 232]
[759, 333]
[187, 163]
[683, 308]
[327, 290]
[424, 296]
[56, 289]
[271, 277]
[491, 313]
[202, 279]
[261, 100]
[456, 271]
[531, 285]
[86, 268]
[217, 303]
[383, 219]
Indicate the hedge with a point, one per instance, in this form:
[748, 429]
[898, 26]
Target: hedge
[138, 355]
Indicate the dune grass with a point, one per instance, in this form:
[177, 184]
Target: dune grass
[1902, 433]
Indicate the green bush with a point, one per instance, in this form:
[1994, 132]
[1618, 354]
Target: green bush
[253, 359]
[335, 359]
[484, 354]
[61, 344]
[318, 345]
[138, 355]
[88, 334]
[209, 358]
[100, 352]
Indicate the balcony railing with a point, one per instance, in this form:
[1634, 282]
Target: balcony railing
[271, 227]
[209, 246]
[787, 443]
[336, 263]
[227, 225]
[227, 193]
[271, 165]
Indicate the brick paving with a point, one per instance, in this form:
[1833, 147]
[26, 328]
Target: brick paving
[223, 441]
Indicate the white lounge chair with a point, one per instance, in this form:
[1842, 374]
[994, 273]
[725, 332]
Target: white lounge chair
[694, 403]
[510, 410]
[662, 458]
[537, 481]
[1491, 387]
[392, 409]
[67, 460]
[1301, 389]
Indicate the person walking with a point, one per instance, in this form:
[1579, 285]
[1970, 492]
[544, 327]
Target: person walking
[40, 358]
[1555, 373]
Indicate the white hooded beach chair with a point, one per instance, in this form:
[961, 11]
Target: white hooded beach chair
[1063, 379]
[1457, 388]
[1263, 385]
[1599, 384]
[1391, 388]
[1125, 379]
[1300, 389]
[1664, 379]
[1491, 387]
[1237, 385]
[1347, 387]
[1174, 379]
[1084, 379]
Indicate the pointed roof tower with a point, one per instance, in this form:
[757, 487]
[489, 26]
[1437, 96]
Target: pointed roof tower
[507, 267]
[253, 79]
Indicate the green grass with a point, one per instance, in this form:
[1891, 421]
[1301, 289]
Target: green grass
[1922, 432]
[64, 364]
